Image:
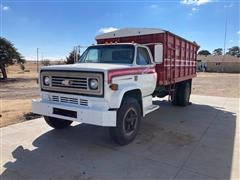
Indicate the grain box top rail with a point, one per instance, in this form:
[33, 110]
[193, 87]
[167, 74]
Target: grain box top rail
[126, 32]
[130, 32]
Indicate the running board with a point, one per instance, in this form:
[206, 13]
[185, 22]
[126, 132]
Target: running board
[150, 109]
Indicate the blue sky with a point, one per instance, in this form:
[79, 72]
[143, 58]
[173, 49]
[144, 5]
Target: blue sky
[56, 26]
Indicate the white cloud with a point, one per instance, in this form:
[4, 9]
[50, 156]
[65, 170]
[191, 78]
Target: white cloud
[231, 41]
[238, 32]
[228, 6]
[195, 2]
[195, 9]
[4, 8]
[154, 6]
[107, 29]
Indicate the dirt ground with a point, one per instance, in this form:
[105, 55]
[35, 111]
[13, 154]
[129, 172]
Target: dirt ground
[217, 84]
[17, 92]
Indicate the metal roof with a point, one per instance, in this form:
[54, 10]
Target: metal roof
[129, 32]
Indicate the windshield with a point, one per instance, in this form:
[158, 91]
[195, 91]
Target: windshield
[116, 54]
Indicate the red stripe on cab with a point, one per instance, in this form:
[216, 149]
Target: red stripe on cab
[129, 71]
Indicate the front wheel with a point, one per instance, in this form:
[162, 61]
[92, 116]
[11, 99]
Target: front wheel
[57, 123]
[128, 122]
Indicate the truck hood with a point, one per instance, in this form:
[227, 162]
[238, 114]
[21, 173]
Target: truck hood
[101, 67]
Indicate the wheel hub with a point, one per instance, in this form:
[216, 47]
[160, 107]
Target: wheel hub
[130, 121]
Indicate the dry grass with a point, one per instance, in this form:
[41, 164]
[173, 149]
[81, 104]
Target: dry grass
[13, 110]
[17, 92]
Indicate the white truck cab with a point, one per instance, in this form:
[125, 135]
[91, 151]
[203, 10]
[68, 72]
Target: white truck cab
[111, 85]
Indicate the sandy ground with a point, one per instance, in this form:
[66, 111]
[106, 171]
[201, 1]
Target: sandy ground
[17, 92]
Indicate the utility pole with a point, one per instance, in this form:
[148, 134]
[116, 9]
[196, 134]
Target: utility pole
[76, 51]
[42, 57]
[225, 35]
[37, 61]
[79, 51]
[74, 54]
[75, 57]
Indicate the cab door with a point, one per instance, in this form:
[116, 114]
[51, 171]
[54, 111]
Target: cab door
[147, 78]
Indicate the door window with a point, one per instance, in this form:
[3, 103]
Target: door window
[143, 57]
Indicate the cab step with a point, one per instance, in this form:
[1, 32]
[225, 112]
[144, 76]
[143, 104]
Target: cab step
[151, 109]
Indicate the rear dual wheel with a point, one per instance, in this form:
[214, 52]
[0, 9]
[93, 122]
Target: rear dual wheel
[181, 95]
[184, 91]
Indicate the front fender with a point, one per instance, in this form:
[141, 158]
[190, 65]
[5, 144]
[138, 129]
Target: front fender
[117, 96]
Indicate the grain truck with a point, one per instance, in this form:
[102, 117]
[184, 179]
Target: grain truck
[114, 81]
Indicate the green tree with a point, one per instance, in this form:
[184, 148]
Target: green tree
[8, 56]
[217, 52]
[71, 57]
[234, 51]
[204, 52]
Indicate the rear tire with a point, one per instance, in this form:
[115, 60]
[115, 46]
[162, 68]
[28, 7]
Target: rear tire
[175, 96]
[128, 122]
[184, 93]
[57, 123]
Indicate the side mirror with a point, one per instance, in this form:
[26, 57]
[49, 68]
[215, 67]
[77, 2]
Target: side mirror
[158, 53]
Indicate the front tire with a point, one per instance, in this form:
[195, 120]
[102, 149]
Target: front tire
[128, 122]
[57, 123]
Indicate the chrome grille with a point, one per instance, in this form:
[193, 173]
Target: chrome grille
[80, 83]
[83, 102]
[72, 82]
[63, 99]
[55, 98]
[69, 100]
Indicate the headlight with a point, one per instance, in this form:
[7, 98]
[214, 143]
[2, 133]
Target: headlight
[46, 80]
[93, 84]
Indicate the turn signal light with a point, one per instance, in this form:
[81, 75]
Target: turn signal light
[114, 87]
